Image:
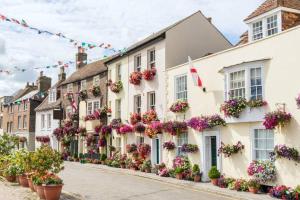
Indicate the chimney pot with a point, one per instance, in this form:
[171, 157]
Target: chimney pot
[209, 19]
[27, 84]
[41, 73]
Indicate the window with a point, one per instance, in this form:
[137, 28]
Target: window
[11, 125]
[89, 108]
[24, 122]
[19, 122]
[272, 25]
[237, 85]
[69, 110]
[48, 121]
[263, 144]
[181, 87]
[96, 105]
[257, 29]
[181, 139]
[137, 103]
[92, 106]
[83, 85]
[70, 87]
[151, 100]
[256, 83]
[118, 72]
[151, 59]
[96, 81]
[118, 109]
[140, 140]
[52, 95]
[43, 121]
[118, 144]
[25, 105]
[137, 63]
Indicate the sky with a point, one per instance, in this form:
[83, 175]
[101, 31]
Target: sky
[116, 22]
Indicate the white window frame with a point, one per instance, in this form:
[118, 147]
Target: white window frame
[118, 72]
[48, 121]
[151, 100]
[25, 106]
[118, 105]
[137, 105]
[82, 85]
[43, 125]
[176, 88]
[52, 95]
[118, 144]
[70, 87]
[96, 80]
[252, 138]
[151, 62]
[274, 29]
[138, 63]
[91, 106]
[185, 139]
[247, 67]
[237, 88]
[24, 121]
[257, 35]
[140, 139]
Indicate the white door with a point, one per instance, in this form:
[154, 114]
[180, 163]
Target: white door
[211, 144]
[156, 151]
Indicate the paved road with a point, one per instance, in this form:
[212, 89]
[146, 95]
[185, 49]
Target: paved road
[99, 184]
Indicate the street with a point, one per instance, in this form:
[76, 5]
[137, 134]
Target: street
[99, 184]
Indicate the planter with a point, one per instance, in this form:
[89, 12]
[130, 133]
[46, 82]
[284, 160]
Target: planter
[179, 176]
[23, 181]
[11, 179]
[253, 190]
[197, 178]
[214, 181]
[148, 170]
[52, 192]
[30, 183]
[34, 187]
[40, 191]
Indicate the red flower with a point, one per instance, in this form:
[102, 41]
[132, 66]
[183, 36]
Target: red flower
[149, 74]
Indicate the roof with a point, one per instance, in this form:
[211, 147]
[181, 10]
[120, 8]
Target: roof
[269, 5]
[244, 62]
[20, 93]
[86, 71]
[149, 39]
[28, 95]
[45, 105]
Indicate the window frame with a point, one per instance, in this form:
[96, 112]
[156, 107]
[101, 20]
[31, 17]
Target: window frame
[19, 122]
[178, 146]
[252, 142]
[139, 139]
[118, 112]
[151, 62]
[83, 85]
[254, 30]
[137, 108]
[118, 148]
[176, 88]
[92, 103]
[138, 68]
[96, 80]
[150, 103]
[273, 27]
[70, 87]
[48, 121]
[118, 72]
[25, 122]
[25, 106]
[43, 125]
[247, 67]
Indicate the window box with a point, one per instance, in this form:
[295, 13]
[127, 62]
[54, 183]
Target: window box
[249, 115]
[91, 124]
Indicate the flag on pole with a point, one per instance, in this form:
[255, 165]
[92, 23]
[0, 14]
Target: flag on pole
[74, 105]
[193, 70]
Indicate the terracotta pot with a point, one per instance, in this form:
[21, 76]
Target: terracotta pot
[40, 191]
[34, 187]
[11, 179]
[23, 181]
[197, 178]
[253, 190]
[179, 176]
[214, 181]
[52, 192]
[30, 183]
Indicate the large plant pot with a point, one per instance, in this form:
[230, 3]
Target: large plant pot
[30, 183]
[253, 190]
[52, 192]
[40, 191]
[179, 176]
[197, 178]
[23, 181]
[11, 179]
[214, 181]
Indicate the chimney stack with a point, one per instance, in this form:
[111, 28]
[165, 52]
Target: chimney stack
[62, 74]
[81, 58]
[209, 19]
[43, 83]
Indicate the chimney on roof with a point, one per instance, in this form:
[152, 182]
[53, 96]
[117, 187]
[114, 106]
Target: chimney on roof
[81, 58]
[209, 19]
[62, 74]
[43, 82]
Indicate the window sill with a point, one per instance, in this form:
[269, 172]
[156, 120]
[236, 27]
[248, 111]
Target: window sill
[249, 115]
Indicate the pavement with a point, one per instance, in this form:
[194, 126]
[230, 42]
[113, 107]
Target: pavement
[100, 182]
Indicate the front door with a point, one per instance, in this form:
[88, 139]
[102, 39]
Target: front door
[156, 151]
[210, 153]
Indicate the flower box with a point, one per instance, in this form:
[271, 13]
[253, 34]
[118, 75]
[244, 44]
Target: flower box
[91, 125]
[249, 115]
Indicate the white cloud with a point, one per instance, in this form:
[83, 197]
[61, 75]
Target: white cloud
[118, 22]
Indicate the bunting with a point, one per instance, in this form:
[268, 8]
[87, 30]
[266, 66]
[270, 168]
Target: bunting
[76, 43]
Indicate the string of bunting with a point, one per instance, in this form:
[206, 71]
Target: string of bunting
[59, 64]
[76, 43]
[37, 96]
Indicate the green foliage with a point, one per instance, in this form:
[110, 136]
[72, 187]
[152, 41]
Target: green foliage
[214, 173]
[7, 143]
[253, 184]
[179, 170]
[103, 157]
[196, 170]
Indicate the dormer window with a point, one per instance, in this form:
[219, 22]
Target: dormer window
[52, 96]
[272, 25]
[257, 30]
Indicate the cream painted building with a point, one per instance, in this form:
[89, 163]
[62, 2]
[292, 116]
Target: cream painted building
[195, 36]
[273, 62]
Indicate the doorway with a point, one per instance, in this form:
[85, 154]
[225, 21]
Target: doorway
[211, 141]
[156, 151]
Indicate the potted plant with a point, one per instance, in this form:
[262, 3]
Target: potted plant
[179, 173]
[52, 186]
[10, 173]
[38, 185]
[196, 173]
[189, 148]
[103, 157]
[234, 107]
[96, 91]
[253, 186]
[146, 166]
[179, 107]
[169, 145]
[276, 119]
[135, 78]
[83, 95]
[149, 74]
[214, 175]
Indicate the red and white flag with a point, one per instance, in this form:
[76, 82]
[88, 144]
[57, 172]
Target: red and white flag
[193, 70]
